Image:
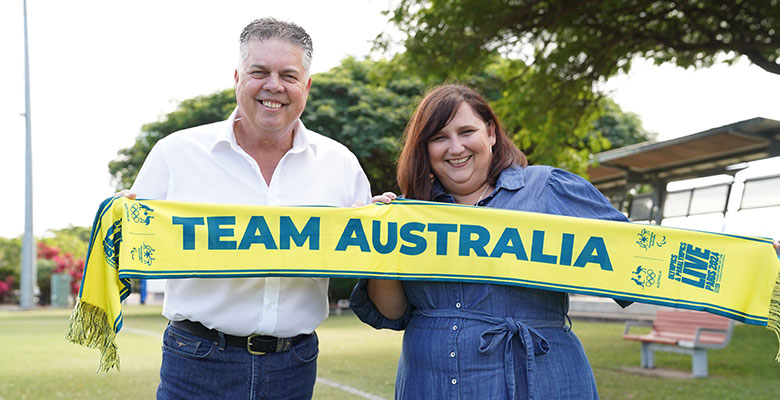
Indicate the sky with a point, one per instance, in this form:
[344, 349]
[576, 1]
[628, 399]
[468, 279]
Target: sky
[99, 70]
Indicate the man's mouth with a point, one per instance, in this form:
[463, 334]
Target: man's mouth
[270, 103]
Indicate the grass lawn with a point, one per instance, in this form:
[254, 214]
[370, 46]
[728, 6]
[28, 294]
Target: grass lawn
[37, 363]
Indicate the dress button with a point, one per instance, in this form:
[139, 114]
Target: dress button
[457, 305]
[452, 354]
[454, 327]
[454, 381]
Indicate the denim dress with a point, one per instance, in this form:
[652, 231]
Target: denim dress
[482, 341]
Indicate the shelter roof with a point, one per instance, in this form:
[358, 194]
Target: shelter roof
[701, 154]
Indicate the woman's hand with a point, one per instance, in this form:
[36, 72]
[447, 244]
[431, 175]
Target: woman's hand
[385, 198]
[125, 193]
[776, 244]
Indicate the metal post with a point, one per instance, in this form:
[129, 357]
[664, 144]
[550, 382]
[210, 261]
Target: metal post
[659, 199]
[28, 279]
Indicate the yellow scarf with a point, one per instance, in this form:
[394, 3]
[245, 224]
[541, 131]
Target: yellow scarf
[734, 276]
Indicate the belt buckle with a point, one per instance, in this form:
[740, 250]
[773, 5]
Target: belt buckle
[249, 346]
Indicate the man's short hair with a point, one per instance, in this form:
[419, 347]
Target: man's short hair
[271, 28]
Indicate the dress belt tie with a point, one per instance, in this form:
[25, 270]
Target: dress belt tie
[503, 330]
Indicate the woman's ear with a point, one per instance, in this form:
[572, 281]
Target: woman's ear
[491, 127]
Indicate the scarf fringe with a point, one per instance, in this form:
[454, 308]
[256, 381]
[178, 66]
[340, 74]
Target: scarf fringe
[89, 326]
[773, 322]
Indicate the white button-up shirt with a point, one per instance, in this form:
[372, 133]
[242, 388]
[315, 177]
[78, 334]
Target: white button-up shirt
[204, 164]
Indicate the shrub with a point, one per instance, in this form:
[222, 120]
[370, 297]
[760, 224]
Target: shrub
[7, 289]
[52, 260]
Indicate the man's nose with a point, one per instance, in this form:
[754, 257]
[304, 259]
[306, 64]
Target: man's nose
[273, 83]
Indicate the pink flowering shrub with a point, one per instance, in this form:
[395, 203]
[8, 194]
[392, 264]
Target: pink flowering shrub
[6, 288]
[65, 264]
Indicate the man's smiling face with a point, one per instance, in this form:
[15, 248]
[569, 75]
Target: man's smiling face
[271, 86]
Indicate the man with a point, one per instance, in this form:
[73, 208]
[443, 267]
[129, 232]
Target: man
[250, 337]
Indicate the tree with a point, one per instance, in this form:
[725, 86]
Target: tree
[10, 266]
[620, 128]
[592, 39]
[191, 112]
[53, 260]
[365, 105]
[552, 55]
[71, 240]
[10, 256]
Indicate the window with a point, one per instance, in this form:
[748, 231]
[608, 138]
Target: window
[709, 199]
[677, 203]
[703, 200]
[764, 192]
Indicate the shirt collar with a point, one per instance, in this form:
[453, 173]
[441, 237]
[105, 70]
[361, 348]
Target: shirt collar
[301, 139]
[512, 178]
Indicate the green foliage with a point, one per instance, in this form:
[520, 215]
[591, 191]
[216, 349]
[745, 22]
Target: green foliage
[73, 240]
[620, 128]
[45, 268]
[588, 39]
[340, 288]
[553, 55]
[365, 105]
[10, 257]
[191, 112]
[63, 249]
[550, 122]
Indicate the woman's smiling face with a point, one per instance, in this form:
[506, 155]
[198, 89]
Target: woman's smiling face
[460, 153]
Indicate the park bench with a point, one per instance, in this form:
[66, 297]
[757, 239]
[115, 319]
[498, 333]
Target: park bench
[684, 332]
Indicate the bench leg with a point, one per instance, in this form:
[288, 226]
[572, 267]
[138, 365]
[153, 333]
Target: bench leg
[699, 361]
[648, 356]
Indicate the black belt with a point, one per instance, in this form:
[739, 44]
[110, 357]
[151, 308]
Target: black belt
[254, 344]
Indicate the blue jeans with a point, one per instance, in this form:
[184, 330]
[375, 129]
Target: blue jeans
[197, 368]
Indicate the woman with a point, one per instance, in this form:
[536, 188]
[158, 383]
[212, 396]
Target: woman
[480, 341]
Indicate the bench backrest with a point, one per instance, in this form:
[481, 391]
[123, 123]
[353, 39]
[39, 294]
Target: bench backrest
[683, 324]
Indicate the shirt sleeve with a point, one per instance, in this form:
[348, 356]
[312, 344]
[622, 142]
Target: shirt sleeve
[365, 309]
[571, 195]
[152, 180]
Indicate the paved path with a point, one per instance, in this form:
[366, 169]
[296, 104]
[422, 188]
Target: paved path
[349, 389]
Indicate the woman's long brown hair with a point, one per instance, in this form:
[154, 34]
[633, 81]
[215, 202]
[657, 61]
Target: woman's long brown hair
[433, 113]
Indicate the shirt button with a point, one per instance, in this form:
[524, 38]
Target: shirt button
[454, 381]
[457, 305]
[454, 327]
[452, 354]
